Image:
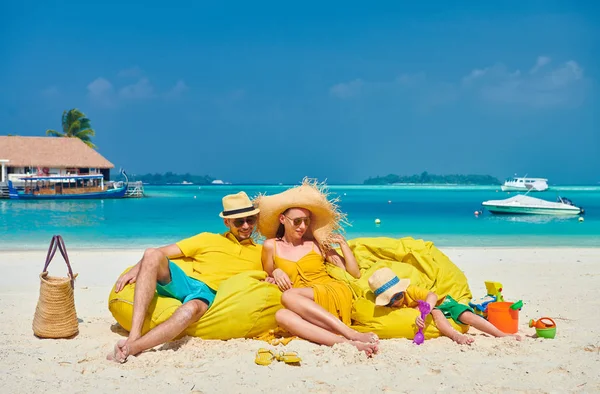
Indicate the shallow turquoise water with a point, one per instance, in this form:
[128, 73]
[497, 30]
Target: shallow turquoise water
[443, 215]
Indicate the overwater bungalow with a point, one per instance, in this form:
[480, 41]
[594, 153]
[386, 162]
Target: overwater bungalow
[42, 167]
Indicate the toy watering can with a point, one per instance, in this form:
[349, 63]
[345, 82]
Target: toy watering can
[544, 327]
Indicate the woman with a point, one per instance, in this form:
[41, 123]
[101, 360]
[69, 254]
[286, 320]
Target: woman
[299, 225]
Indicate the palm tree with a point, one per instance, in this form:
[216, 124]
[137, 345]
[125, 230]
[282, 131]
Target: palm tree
[75, 125]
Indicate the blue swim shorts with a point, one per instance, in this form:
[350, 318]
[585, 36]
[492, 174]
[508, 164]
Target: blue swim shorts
[184, 288]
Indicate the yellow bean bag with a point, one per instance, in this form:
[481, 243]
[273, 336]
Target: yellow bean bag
[421, 262]
[244, 307]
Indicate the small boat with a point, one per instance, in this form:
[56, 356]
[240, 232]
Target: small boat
[55, 187]
[524, 184]
[523, 204]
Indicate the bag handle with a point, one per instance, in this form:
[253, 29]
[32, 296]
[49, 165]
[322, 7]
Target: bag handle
[58, 242]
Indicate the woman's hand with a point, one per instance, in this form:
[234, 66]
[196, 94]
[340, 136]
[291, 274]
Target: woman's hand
[282, 280]
[127, 278]
[338, 239]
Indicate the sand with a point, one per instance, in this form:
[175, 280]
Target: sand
[559, 283]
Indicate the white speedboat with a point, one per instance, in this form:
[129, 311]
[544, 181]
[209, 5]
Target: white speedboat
[524, 184]
[523, 204]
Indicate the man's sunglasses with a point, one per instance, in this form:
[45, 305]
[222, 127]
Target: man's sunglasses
[395, 298]
[251, 220]
[298, 221]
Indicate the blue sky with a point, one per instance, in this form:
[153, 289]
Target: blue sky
[274, 91]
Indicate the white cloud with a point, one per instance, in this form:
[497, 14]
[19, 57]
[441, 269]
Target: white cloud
[140, 90]
[543, 87]
[237, 95]
[132, 72]
[50, 92]
[411, 79]
[475, 74]
[177, 90]
[360, 87]
[101, 91]
[541, 62]
[347, 90]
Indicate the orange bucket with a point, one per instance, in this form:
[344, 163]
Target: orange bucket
[504, 318]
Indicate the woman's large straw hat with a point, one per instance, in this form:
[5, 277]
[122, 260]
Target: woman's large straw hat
[325, 215]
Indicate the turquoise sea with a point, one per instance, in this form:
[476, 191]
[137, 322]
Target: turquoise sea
[444, 215]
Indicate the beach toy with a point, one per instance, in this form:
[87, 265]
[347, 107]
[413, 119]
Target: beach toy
[505, 315]
[424, 309]
[494, 294]
[517, 305]
[544, 327]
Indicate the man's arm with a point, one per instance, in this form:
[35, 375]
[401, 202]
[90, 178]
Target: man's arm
[171, 251]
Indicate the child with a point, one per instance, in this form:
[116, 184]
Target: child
[397, 293]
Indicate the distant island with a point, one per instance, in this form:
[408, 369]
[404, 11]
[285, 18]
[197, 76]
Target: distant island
[431, 179]
[170, 178]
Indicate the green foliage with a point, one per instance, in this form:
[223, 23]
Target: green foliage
[171, 178]
[426, 178]
[75, 125]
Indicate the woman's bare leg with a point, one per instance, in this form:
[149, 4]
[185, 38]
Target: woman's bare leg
[301, 302]
[296, 325]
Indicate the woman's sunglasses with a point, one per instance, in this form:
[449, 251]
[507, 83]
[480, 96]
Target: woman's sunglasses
[251, 220]
[298, 221]
[395, 298]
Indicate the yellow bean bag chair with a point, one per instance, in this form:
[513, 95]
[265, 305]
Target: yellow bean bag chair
[244, 307]
[421, 262]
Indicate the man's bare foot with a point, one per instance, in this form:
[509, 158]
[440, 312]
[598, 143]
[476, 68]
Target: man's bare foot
[368, 348]
[366, 337]
[120, 352]
[463, 339]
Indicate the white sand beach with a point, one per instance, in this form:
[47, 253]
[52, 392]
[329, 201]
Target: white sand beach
[559, 283]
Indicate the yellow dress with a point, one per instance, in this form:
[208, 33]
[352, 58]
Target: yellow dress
[309, 271]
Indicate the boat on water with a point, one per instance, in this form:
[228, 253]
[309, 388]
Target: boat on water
[61, 187]
[523, 204]
[524, 184]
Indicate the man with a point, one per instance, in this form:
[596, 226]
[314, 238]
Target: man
[216, 257]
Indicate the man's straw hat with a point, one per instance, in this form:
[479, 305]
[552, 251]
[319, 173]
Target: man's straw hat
[326, 217]
[238, 206]
[385, 284]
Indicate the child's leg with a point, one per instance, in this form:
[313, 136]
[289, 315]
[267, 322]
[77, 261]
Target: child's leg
[483, 325]
[447, 330]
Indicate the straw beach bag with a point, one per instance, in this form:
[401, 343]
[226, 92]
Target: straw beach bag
[55, 315]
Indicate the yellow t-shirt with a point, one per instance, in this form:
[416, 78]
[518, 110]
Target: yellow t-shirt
[220, 256]
[412, 295]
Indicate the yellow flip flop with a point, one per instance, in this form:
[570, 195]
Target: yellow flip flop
[264, 357]
[288, 358]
